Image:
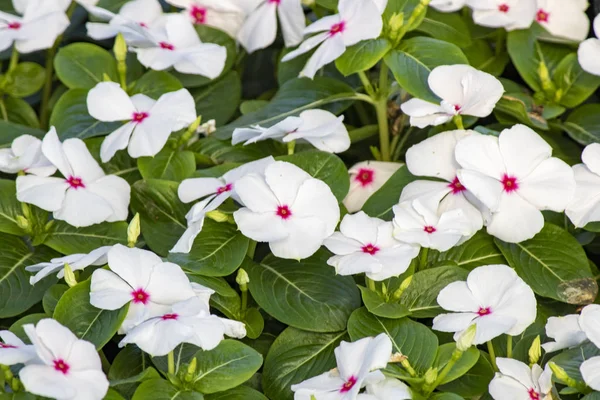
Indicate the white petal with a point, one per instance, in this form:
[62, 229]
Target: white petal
[285, 179]
[505, 388]
[108, 291]
[342, 245]
[585, 207]
[590, 370]
[315, 199]
[260, 226]
[395, 261]
[486, 189]
[458, 297]
[363, 21]
[522, 150]
[46, 193]
[53, 150]
[206, 59]
[83, 164]
[292, 20]
[82, 207]
[305, 237]
[256, 194]
[481, 153]
[332, 48]
[158, 337]
[116, 192]
[108, 102]
[565, 331]
[456, 322]
[590, 322]
[591, 157]
[515, 220]
[361, 227]
[177, 289]
[260, 28]
[551, 186]
[115, 141]
[44, 380]
[196, 188]
[588, 56]
[491, 326]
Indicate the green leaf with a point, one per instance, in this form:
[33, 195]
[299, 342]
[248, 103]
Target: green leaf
[217, 251]
[445, 396]
[228, 365]
[11, 131]
[421, 295]
[463, 365]
[482, 57]
[86, 321]
[414, 59]
[52, 296]
[159, 389]
[255, 323]
[10, 208]
[519, 107]
[16, 294]
[67, 239]
[410, 338]
[27, 79]
[583, 124]
[218, 284]
[293, 97]
[121, 164]
[571, 359]
[238, 393]
[156, 83]
[249, 106]
[475, 252]
[17, 327]
[113, 395]
[169, 164]
[20, 112]
[307, 295]
[71, 119]
[295, 356]
[573, 84]
[554, 264]
[220, 99]
[381, 202]
[377, 305]
[475, 382]
[83, 65]
[446, 26]
[362, 56]
[324, 166]
[162, 214]
[220, 151]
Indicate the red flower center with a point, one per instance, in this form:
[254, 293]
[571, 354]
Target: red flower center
[275, 1]
[139, 117]
[542, 16]
[337, 28]
[170, 316]
[284, 212]
[140, 296]
[14, 25]
[533, 395]
[457, 108]
[346, 387]
[142, 24]
[456, 186]
[370, 249]
[510, 183]
[503, 8]
[166, 46]
[226, 188]
[484, 311]
[7, 346]
[61, 365]
[429, 229]
[75, 182]
[199, 14]
[365, 176]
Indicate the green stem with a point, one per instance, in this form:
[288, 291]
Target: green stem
[3, 109]
[383, 80]
[458, 121]
[382, 114]
[366, 84]
[423, 258]
[14, 60]
[244, 301]
[492, 353]
[509, 346]
[171, 363]
[456, 355]
[251, 249]
[291, 146]
[370, 284]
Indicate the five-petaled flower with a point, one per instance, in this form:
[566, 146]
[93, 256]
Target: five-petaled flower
[585, 206]
[14, 351]
[564, 19]
[508, 14]
[517, 381]
[25, 154]
[366, 178]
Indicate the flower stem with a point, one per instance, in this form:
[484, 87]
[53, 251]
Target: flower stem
[370, 284]
[459, 122]
[509, 346]
[291, 146]
[423, 258]
[456, 355]
[366, 83]
[382, 114]
[14, 60]
[3, 109]
[171, 363]
[492, 353]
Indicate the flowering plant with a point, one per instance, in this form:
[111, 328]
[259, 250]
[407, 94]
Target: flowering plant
[299, 199]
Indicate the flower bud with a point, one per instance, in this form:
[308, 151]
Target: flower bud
[560, 373]
[23, 223]
[466, 338]
[403, 286]
[133, 230]
[242, 277]
[397, 358]
[208, 127]
[70, 276]
[535, 351]
[120, 48]
[218, 216]
[106, 77]
[191, 370]
[395, 27]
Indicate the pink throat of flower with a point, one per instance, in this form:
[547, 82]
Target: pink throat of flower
[533, 394]
[198, 14]
[510, 183]
[7, 346]
[139, 117]
[166, 46]
[429, 229]
[370, 249]
[140, 296]
[365, 176]
[75, 182]
[456, 186]
[284, 212]
[457, 108]
[542, 16]
[143, 24]
[167, 317]
[61, 365]
[346, 387]
[276, 2]
[503, 8]
[483, 311]
[226, 188]
[337, 28]
[14, 25]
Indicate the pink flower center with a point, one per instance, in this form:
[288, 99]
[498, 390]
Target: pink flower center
[166, 46]
[429, 229]
[456, 186]
[510, 183]
[346, 387]
[75, 182]
[7, 346]
[542, 16]
[14, 25]
[370, 249]
[337, 28]
[226, 188]
[503, 8]
[61, 365]
[484, 311]
[533, 395]
[142, 24]
[139, 117]
[170, 316]
[365, 176]
[275, 2]
[457, 108]
[284, 212]
[140, 296]
[199, 14]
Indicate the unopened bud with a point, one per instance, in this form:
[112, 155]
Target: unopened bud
[431, 376]
[70, 276]
[15, 384]
[133, 230]
[207, 128]
[403, 286]
[395, 27]
[466, 338]
[242, 278]
[535, 351]
[106, 77]
[218, 216]
[397, 358]
[560, 373]
[191, 370]
[120, 48]
[23, 223]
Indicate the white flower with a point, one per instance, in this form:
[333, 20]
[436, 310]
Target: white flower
[588, 53]
[14, 351]
[76, 262]
[225, 15]
[25, 154]
[175, 43]
[508, 14]
[388, 389]
[233, 328]
[358, 365]
[585, 206]
[260, 27]
[448, 5]
[213, 191]
[514, 176]
[463, 90]
[85, 195]
[142, 279]
[148, 122]
[70, 369]
[494, 298]
[357, 20]
[565, 19]
[516, 381]
[589, 321]
[288, 208]
[366, 244]
[590, 371]
[320, 128]
[41, 23]
[366, 178]
[565, 331]
[434, 158]
[417, 222]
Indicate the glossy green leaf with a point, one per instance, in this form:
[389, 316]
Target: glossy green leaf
[83, 65]
[11, 131]
[120, 165]
[519, 107]
[220, 99]
[219, 151]
[446, 26]
[156, 83]
[381, 202]
[238, 393]
[377, 305]
[571, 359]
[475, 252]
[52, 296]
[362, 56]
[583, 124]
[129, 363]
[20, 112]
[482, 57]
[254, 322]
[170, 164]
[475, 382]
[67, 239]
[27, 79]
[463, 365]
[573, 84]
[160, 389]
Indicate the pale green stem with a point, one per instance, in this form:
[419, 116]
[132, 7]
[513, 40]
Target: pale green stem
[509, 346]
[171, 363]
[492, 354]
